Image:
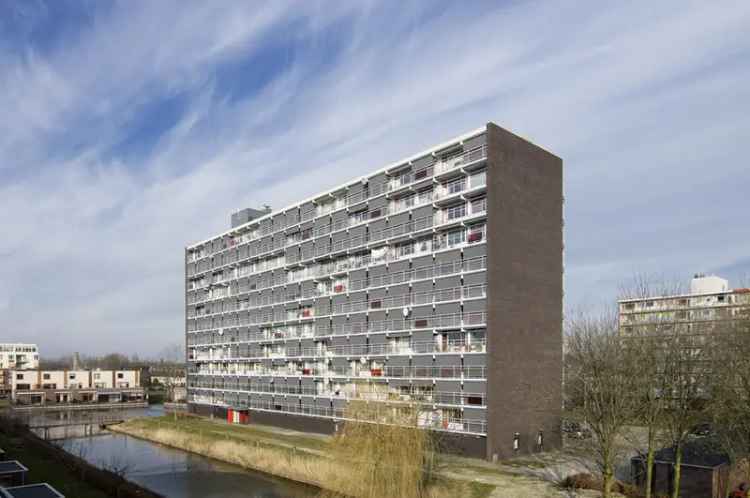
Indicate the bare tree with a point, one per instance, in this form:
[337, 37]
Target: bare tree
[648, 354]
[730, 392]
[686, 372]
[648, 401]
[597, 379]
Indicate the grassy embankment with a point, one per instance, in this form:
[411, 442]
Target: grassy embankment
[45, 469]
[294, 456]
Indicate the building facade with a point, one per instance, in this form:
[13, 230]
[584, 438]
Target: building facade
[19, 356]
[436, 280]
[709, 305]
[45, 387]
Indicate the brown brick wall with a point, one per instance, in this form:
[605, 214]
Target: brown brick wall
[525, 271]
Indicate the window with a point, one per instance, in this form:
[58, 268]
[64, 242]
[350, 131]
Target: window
[407, 202]
[456, 186]
[425, 196]
[479, 205]
[474, 399]
[476, 234]
[72, 376]
[457, 211]
[19, 376]
[456, 237]
[406, 249]
[375, 213]
[97, 375]
[47, 376]
[120, 375]
[479, 179]
[404, 178]
[358, 217]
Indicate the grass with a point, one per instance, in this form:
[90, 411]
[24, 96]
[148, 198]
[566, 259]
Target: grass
[43, 469]
[210, 429]
[295, 456]
[305, 458]
[479, 490]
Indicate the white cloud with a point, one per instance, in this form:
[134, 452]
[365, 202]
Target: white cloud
[643, 101]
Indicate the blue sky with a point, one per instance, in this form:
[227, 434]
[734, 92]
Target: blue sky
[131, 129]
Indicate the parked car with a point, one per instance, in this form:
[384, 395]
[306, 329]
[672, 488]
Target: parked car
[701, 430]
[575, 430]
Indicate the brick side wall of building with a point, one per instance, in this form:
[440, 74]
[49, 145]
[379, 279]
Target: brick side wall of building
[525, 270]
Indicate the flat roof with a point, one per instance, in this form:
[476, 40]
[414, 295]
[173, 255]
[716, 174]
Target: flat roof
[42, 490]
[677, 296]
[392, 165]
[12, 467]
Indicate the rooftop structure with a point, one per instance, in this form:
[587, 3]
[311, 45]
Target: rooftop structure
[42, 490]
[12, 473]
[436, 280]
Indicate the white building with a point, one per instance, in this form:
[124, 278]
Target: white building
[19, 356]
[711, 303]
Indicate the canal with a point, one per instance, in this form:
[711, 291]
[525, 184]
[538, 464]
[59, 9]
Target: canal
[175, 473]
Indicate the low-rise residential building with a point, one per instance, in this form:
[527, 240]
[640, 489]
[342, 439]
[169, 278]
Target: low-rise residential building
[709, 305]
[42, 387]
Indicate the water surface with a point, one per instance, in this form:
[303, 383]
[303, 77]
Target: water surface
[179, 474]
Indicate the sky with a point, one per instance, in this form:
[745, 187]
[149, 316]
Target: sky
[132, 129]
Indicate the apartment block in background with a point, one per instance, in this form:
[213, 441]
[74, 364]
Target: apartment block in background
[16, 356]
[19, 356]
[710, 305]
[436, 280]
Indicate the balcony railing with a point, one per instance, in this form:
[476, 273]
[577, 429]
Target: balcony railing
[355, 371]
[435, 420]
[461, 160]
[475, 345]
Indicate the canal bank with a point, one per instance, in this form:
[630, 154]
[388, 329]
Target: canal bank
[288, 454]
[176, 473]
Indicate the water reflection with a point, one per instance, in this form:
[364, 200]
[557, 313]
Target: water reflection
[175, 473]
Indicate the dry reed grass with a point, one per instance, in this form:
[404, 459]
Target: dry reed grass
[283, 462]
[381, 451]
[392, 458]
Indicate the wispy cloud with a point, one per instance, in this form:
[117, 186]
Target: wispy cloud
[138, 130]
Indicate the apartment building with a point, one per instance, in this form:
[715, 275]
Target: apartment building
[436, 281]
[709, 305]
[19, 356]
[44, 387]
